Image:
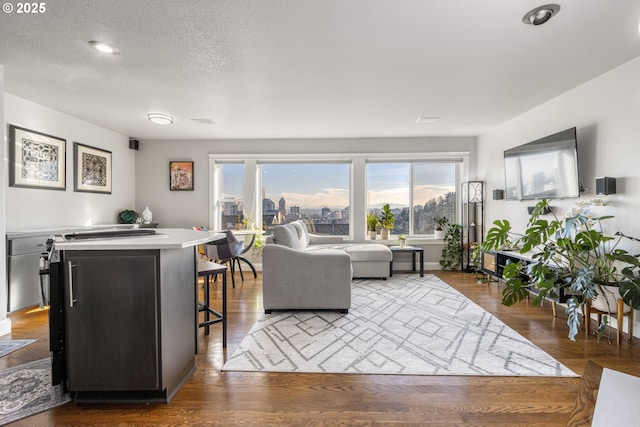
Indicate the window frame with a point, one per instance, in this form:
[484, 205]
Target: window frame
[357, 180]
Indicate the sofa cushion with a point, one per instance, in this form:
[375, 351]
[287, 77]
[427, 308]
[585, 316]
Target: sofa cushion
[286, 235]
[303, 235]
[369, 252]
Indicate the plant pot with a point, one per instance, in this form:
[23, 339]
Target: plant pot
[438, 234]
[384, 234]
[403, 243]
[372, 235]
[607, 299]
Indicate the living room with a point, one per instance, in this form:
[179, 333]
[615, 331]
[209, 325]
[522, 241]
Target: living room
[603, 104]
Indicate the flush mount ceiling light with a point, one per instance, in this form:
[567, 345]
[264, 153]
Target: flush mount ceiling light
[540, 15]
[103, 47]
[159, 118]
[427, 120]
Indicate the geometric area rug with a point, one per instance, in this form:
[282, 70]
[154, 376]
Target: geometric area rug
[26, 390]
[8, 346]
[405, 325]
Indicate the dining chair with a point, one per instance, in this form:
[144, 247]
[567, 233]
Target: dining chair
[227, 250]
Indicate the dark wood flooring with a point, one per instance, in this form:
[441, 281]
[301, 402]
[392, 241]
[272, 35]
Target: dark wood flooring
[214, 398]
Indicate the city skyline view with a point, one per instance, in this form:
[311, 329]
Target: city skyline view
[312, 187]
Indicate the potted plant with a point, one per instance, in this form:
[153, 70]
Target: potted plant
[402, 240]
[387, 219]
[570, 253]
[372, 224]
[452, 252]
[441, 223]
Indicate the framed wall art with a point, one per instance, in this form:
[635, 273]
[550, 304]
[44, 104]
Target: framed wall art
[92, 169]
[181, 176]
[36, 160]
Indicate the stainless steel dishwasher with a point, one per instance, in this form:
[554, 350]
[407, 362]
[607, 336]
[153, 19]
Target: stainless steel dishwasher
[23, 272]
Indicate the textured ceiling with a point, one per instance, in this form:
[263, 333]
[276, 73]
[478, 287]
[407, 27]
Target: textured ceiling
[309, 68]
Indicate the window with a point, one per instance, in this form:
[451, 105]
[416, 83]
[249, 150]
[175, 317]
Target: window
[317, 193]
[416, 192]
[230, 208]
[389, 183]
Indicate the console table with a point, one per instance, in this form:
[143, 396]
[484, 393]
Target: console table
[493, 263]
[413, 250]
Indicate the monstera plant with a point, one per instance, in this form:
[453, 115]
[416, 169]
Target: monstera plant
[570, 252]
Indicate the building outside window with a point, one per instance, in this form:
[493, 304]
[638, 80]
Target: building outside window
[231, 204]
[417, 192]
[317, 193]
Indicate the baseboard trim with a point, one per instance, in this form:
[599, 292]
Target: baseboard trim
[5, 327]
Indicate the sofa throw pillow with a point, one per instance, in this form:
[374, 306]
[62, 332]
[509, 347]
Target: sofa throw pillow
[286, 235]
[303, 235]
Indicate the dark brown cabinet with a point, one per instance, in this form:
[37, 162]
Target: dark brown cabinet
[130, 323]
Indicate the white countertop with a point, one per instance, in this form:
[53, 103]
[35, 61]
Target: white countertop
[165, 238]
[17, 234]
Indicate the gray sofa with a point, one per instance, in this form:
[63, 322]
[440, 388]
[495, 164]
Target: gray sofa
[306, 271]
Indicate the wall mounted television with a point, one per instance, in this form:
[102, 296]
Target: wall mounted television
[544, 168]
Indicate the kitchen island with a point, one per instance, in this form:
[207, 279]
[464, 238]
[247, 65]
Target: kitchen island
[123, 318]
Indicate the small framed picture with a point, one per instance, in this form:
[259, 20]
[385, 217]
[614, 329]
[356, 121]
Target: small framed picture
[181, 176]
[36, 160]
[92, 169]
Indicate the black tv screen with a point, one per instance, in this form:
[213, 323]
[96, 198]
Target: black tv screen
[545, 168]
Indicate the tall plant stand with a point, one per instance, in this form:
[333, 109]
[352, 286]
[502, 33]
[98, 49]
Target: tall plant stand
[472, 220]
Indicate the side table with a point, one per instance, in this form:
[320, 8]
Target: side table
[413, 250]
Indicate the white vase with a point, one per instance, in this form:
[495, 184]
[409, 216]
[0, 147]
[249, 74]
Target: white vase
[438, 234]
[147, 215]
[607, 299]
[403, 243]
[372, 235]
[384, 234]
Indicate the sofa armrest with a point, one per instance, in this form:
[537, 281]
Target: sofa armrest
[316, 239]
[294, 279]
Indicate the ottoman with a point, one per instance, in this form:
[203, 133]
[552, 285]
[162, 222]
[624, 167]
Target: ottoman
[369, 260]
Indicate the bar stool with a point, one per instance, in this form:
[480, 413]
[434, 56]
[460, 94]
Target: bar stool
[208, 269]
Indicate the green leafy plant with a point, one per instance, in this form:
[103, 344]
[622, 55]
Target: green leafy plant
[441, 222]
[372, 222]
[402, 237]
[452, 252]
[387, 218]
[571, 253]
[258, 245]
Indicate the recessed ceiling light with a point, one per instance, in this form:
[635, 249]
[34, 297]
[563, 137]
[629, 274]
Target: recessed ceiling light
[427, 120]
[541, 14]
[159, 118]
[103, 47]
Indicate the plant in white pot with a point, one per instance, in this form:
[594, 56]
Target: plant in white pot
[572, 253]
[439, 230]
[387, 219]
[402, 240]
[372, 224]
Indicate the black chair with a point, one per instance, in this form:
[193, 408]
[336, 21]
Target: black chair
[227, 250]
[208, 269]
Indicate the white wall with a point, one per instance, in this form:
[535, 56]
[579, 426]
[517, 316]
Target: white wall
[29, 208]
[189, 208]
[606, 112]
[5, 324]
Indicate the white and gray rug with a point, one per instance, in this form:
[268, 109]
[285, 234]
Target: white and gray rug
[405, 325]
[8, 346]
[26, 390]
